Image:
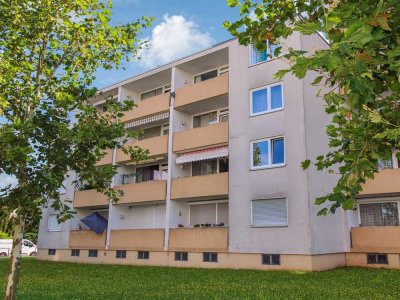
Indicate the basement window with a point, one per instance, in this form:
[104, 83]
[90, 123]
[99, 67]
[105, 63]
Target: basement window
[210, 257]
[93, 253]
[120, 254]
[143, 254]
[181, 256]
[51, 252]
[75, 252]
[380, 259]
[271, 259]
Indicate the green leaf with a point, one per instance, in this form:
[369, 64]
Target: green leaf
[305, 164]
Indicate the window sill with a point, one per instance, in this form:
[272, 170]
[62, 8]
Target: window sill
[269, 226]
[263, 62]
[54, 230]
[268, 167]
[266, 112]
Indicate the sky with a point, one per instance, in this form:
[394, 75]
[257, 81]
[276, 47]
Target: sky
[181, 27]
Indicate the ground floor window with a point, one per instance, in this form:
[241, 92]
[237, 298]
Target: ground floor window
[181, 256]
[209, 214]
[75, 252]
[51, 252]
[93, 253]
[143, 254]
[269, 212]
[120, 254]
[379, 214]
[381, 259]
[210, 257]
[271, 259]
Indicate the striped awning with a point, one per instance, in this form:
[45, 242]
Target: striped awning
[147, 120]
[205, 154]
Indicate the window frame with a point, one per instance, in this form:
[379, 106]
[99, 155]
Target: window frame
[220, 111]
[51, 252]
[270, 157]
[146, 254]
[270, 225]
[270, 258]
[268, 88]
[48, 223]
[93, 253]
[165, 89]
[221, 70]
[216, 202]
[210, 255]
[376, 255]
[75, 252]
[181, 256]
[376, 201]
[120, 254]
[250, 53]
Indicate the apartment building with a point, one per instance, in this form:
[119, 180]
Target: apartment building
[223, 187]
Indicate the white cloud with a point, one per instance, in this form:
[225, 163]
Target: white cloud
[174, 38]
[6, 180]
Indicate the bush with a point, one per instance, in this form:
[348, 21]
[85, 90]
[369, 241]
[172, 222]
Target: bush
[4, 236]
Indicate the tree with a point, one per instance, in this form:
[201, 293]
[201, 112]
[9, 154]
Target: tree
[49, 52]
[362, 62]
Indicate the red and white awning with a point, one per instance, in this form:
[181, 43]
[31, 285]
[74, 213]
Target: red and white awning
[147, 120]
[206, 154]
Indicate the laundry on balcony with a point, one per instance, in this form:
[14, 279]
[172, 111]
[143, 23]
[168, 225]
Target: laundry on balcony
[95, 222]
[205, 154]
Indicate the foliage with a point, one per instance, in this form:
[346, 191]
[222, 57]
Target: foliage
[362, 61]
[4, 235]
[49, 52]
[50, 280]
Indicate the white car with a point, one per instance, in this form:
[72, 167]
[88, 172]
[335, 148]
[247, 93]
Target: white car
[28, 248]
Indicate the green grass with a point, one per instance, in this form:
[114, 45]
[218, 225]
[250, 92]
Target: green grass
[49, 280]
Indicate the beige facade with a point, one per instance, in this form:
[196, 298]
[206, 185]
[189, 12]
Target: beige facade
[223, 186]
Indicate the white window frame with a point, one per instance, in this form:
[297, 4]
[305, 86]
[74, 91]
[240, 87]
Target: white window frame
[270, 165]
[250, 51]
[271, 225]
[165, 89]
[376, 201]
[220, 71]
[268, 88]
[216, 202]
[220, 112]
[48, 224]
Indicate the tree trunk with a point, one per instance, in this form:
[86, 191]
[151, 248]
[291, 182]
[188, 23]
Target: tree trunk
[15, 260]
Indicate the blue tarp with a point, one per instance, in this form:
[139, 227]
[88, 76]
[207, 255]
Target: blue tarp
[95, 222]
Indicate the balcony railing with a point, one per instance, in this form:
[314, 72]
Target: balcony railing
[199, 239]
[89, 198]
[137, 239]
[385, 182]
[201, 137]
[380, 239]
[157, 146]
[203, 90]
[86, 239]
[148, 107]
[143, 192]
[214, 185]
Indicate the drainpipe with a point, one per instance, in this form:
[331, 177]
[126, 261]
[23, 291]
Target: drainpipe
[169, 175]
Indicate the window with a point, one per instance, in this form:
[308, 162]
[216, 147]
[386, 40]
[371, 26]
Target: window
[144, 174]
[143, 254]
[267, 153]
[75, 252]
[385, 164]
[51, 252]
[181, 256]
[262, 56]
[208, 214]
[205, 119]
[271, 259]
[151, 93]
[266, 99]
[269, 212]
[379, 214]
[149, 133]
[120, 254]
[93, 253]
[210, 257]
[204, 167]
[206, 76]
[377, 259]
[52, 223]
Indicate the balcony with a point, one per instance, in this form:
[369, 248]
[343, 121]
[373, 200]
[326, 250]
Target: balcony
[107, 159]
[385, 182]
[157, 146]
[143, 192]
[201, 137]
[199, 239]
[148, 107]
[137, 239]
[380, 239]
[89, 199]
[201, 91]
[86, 239]
[205, 186]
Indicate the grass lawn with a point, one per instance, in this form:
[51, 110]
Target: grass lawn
[49, 280]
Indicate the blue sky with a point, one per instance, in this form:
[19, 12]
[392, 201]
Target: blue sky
[181, 27]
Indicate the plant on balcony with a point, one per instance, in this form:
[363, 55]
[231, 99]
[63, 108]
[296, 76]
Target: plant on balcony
[49, 53]
[361, 60]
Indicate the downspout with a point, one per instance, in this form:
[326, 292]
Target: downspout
[169, 175]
